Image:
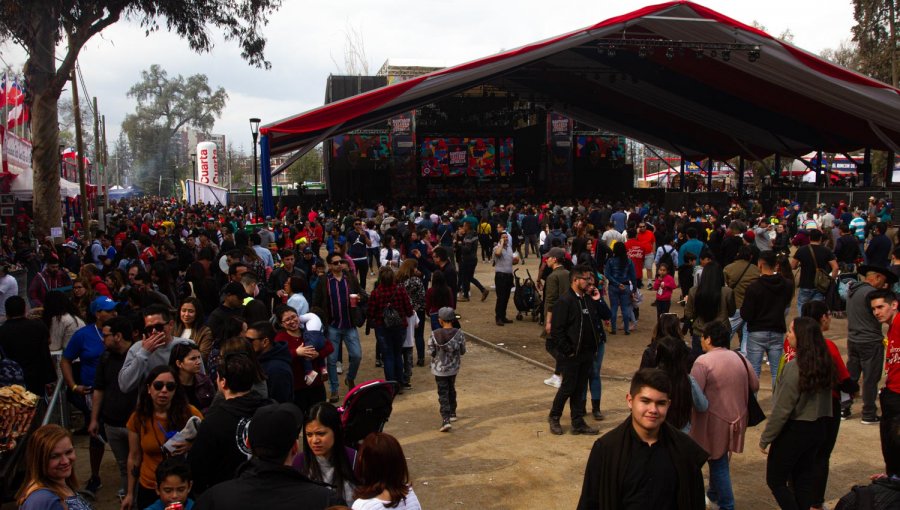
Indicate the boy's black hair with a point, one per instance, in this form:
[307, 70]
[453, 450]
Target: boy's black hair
[652, 377]
[173, 466]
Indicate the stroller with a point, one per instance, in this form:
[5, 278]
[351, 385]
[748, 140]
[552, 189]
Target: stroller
[367, 407]
[527, 298]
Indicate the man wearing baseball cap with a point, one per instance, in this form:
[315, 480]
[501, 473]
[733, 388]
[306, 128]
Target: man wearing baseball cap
[267, 480]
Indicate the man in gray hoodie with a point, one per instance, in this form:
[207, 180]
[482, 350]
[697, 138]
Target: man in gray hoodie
[447, 345]
[865, 347]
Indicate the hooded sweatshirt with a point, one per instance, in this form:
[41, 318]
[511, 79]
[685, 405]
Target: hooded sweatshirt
[447, 345]
[862, 326]
[765, 301]
[221, 444]
[276, 363]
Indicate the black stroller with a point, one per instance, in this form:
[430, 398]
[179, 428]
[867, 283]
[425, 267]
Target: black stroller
[367, 407]
[527, 298]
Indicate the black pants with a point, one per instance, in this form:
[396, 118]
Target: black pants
[823, 458]
[485, 241]
[867, 359]
[575, 374]
[503, 282]
[890, 405]
[362, 270]
[661, 307]
[446, 388]
[467, 276]
[791, 460]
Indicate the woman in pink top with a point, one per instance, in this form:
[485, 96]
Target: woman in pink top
[723, 376]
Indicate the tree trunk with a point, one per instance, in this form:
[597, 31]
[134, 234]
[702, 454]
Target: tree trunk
[40, 72]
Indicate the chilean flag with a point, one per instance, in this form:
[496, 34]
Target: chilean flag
[14, 93]
[17, 116]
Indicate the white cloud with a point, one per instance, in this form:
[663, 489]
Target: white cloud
[303, 37]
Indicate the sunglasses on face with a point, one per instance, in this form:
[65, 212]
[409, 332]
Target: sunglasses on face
[159, 385]
[154, 327]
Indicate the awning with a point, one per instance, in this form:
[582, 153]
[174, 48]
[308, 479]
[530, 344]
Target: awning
[789, 101]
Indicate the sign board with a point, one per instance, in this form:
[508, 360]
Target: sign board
[16, 153]
[56, 232]
[7, 211]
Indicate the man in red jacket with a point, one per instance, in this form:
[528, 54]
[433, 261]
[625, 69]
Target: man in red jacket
[884, 307]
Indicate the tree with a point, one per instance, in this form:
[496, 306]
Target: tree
[846, 55]
[308, 167]
[39, 26]
[67, 125]
[121, 161]
[164, 106]
[875, 34]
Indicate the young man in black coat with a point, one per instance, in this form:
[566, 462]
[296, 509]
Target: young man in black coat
[275, 360]
[645, 462]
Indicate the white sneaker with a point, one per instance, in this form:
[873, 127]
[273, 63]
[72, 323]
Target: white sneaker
[340, 368]
[554, 380]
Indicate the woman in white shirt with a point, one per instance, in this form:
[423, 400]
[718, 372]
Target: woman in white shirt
[374, 249]
[61, 318]
[383, 475]
[390, 255]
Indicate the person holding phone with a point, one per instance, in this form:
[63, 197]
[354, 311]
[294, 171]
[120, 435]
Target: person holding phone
[154, 348]
[503, 274]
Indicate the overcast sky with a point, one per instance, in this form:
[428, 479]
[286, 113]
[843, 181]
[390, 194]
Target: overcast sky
[306, 38]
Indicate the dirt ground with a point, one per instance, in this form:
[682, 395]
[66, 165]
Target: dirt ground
[500, 454]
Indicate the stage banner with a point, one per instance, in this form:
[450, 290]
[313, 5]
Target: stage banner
[595, 148]
[402, 129]
[360, 147]
[559, 145]
[482, 157]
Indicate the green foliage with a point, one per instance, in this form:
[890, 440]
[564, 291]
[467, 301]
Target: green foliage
[307, 168]
[165, 105]
[877, 49]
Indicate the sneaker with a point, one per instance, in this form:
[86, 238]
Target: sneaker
[845, 414]
[484, 294]
[420, 363]
[310, 378]
[453, 417]
[598, 416]
[446, 426]
[875, 420]
[350, 383]
[554, 380]
[340, 367]
[121, 494]
[378, 363]
[462, 299]
[91, 487]
[500, 323]
[711, 505]
[407, 386]
[335, 398]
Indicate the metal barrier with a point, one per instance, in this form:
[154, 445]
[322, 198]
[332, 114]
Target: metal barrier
[57, 407]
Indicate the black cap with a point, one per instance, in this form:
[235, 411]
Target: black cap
[273, 430]
[235, 289]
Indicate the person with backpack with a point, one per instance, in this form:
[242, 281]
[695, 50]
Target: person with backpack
[811, 259]
[358, 243]
[667, 253]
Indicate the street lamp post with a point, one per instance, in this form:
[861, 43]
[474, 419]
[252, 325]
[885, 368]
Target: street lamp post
[254, 129]
[193, 174]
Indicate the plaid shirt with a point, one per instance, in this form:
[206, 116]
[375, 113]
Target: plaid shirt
[395, 295]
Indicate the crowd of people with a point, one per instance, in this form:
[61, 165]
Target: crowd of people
[173, 322]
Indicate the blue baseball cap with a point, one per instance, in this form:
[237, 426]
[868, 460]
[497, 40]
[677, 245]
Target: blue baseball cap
[103, 303]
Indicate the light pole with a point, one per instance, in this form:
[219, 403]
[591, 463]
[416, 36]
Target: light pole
[254, 129]
[193, 174]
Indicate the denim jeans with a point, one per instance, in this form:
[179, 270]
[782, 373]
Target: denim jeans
[805, 295]
[720, 483]
[391, 341]
[738, 323]
[117, 437]
[350, 337]
[620, 298]
[594, 382]
[770, 343]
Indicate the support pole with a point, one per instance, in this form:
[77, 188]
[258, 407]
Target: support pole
[105, 155]
[889, 169]
[820, 169]
[101, 211]
[709, 167]
[79, 147]
[740, 186]
[682, 183]
[867, 167]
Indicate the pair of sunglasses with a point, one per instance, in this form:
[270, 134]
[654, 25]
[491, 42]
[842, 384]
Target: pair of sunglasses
[159, 385]
[149, 330]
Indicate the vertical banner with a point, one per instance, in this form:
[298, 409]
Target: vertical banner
[559, 150]
[402, 129]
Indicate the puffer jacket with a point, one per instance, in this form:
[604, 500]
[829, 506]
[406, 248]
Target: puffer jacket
[447, 345]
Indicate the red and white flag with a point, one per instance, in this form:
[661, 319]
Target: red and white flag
[18, 116]
[15, 94]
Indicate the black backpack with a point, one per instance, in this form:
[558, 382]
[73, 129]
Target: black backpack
[666, 258]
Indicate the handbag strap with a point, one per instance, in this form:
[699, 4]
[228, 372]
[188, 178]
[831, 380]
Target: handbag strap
[741, 277]
[812, 253]
[746, 367]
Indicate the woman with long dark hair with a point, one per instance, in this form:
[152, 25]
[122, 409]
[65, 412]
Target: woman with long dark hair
[186, 361]
[796, 427]
[162, 410]
[50, 481]
[410, 277]
[389, 295]
[709, 301]
[82, 295]
[620, 273]
[437, 296]
[673, 357]
[667, 324]
[190, 323]
[61, 318]
[383, 475]
[333, 462]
